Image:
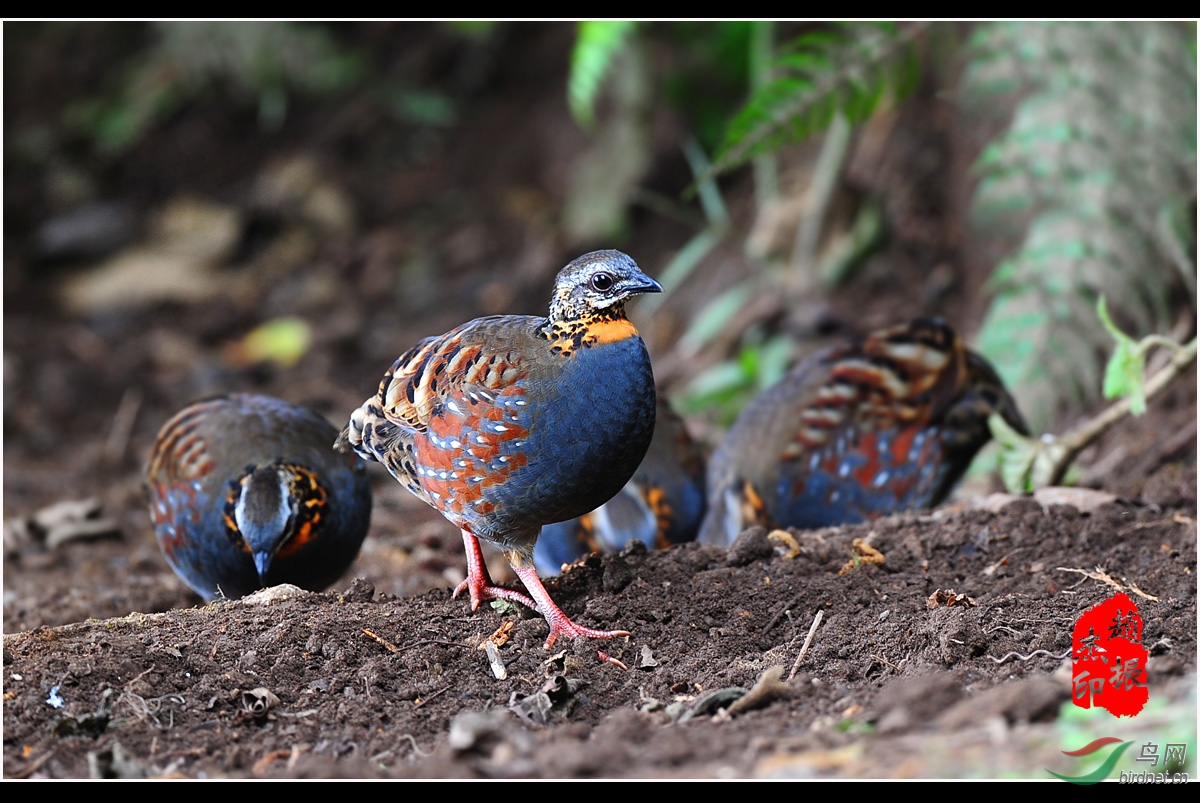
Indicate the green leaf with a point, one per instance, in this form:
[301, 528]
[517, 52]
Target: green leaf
[775, 356]
[596, 45]
[714, 317]
[505, 608]
[1026, 464]
[281, 340]
[1125, 374]
[849, 69]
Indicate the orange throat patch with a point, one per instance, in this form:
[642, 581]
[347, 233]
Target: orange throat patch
[609, 331]
[565, 339]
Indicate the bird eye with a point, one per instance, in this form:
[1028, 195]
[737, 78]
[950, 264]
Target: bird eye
[602, 282]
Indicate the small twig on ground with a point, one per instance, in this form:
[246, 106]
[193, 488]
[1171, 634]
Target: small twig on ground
[886, 662]
[389, 646]
[1107, 579]
[812, 631]
[139, 677]
[787, 609]
[416, 748]
[430, 697]
[32, 766]
[1147, 525]
[1020, 657]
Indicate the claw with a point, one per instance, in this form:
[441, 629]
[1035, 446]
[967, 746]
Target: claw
[560, 623]
[608, 659]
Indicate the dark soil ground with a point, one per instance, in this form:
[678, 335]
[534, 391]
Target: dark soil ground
[113, 668]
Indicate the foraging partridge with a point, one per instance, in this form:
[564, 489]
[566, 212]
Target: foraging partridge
[885, 424]
[509, 423]
[245, 491]
[662, 505]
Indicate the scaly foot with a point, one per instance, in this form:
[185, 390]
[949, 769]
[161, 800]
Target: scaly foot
[479, 583]
[560, 624]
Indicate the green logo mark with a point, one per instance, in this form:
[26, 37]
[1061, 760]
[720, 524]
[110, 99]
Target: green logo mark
[1100, 773]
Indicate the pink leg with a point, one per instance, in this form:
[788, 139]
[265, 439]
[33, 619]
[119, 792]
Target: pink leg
[480, 584]
[559, 623]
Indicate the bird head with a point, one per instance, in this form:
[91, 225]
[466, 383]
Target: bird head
[597, 285]
[265, 513]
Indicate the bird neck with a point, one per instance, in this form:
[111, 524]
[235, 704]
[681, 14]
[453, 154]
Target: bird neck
[566, 308]
[590, 328]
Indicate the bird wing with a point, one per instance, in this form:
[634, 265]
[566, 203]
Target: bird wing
[844, 413]
[440, 373]
[446, 421]
[893, 380]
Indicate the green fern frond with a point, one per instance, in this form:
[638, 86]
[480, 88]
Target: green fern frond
[1097, 163]
[596, 44]
[847, 70]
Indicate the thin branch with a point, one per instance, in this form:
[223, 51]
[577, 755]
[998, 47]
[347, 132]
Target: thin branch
[1080, 437]
[812, 631]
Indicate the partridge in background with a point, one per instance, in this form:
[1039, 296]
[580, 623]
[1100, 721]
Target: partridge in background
[662, 505]
[509, 423]
[246, 491]
[885, 424]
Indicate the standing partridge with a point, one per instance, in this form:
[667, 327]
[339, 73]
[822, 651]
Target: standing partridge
[512, 422]
[885, 424]
[245, 491]
[662, 505]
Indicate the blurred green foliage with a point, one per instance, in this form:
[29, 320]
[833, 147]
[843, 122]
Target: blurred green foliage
[265, 62]
[597, 43]
[847, 70]
[1098, 169]
[837, 74]
[729, 386]
[283, 341]
[1028, 463]
[1093, 182]
[266, 65]
[701, 74]
[824, 72]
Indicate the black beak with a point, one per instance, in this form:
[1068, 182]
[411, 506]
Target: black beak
[642, 284]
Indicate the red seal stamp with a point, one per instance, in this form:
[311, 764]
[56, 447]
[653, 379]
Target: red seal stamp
[1108, 660]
